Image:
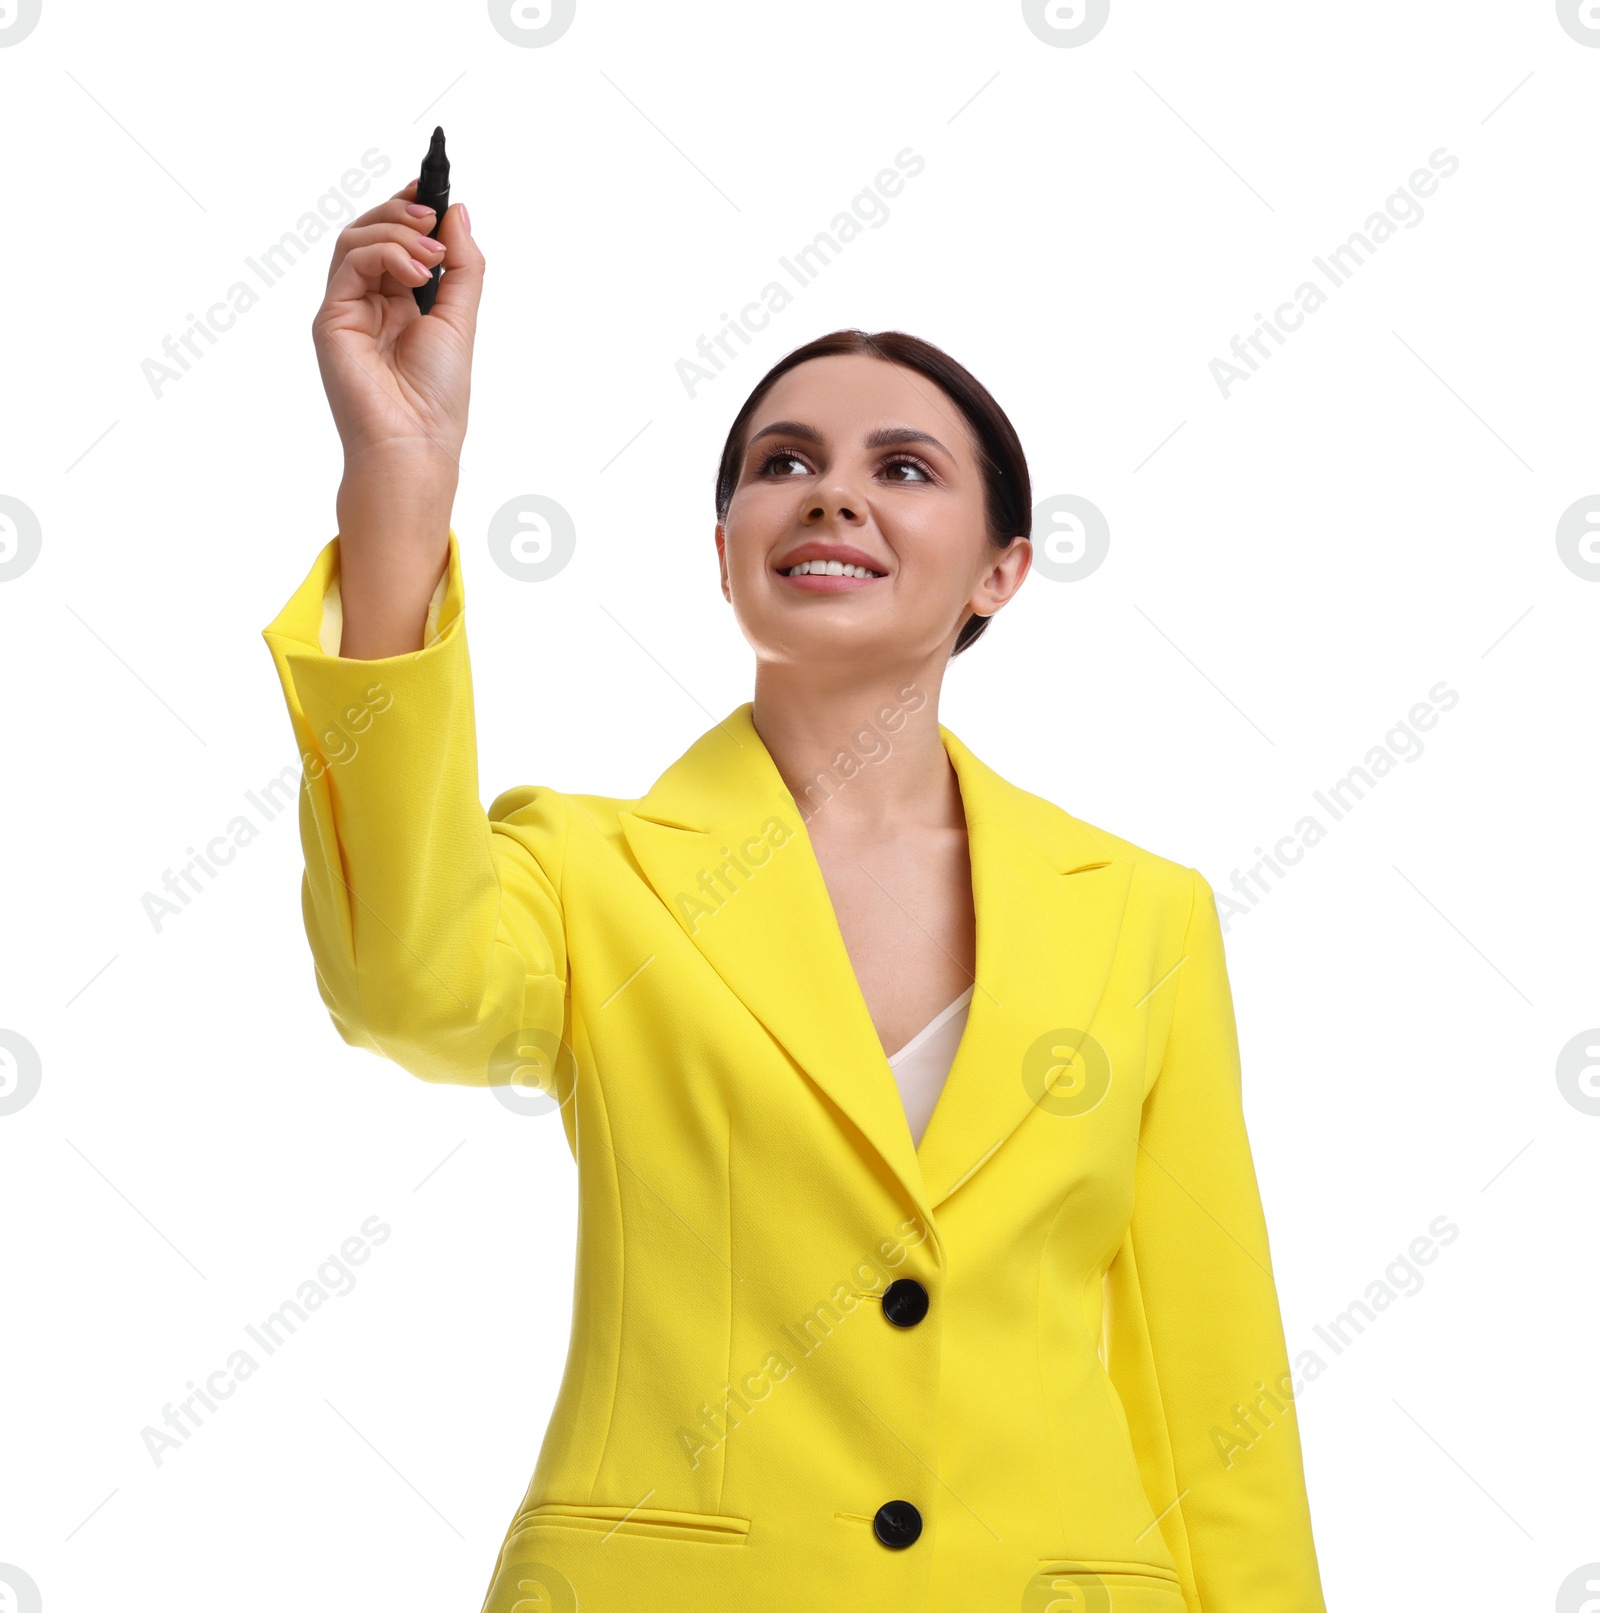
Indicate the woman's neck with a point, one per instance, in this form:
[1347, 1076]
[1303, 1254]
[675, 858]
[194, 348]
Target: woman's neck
[866, 757]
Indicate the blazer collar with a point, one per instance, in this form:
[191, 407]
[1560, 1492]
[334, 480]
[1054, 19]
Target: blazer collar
[724, 845]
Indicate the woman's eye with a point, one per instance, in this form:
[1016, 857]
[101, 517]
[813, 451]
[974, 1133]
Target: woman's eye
[780, 456]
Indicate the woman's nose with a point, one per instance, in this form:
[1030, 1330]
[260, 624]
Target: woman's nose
[839, 500]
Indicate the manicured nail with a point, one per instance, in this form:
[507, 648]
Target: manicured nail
[466, 218]
[417, 211]
[421, 268]
[428, 244]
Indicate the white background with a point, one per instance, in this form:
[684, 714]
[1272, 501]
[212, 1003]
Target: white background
[1291, 569]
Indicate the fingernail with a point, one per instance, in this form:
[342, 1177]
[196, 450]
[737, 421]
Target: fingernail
[421, 268]
[417, 211]
[466, 218]
[428, 244]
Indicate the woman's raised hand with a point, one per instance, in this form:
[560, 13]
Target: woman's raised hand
[398, 383]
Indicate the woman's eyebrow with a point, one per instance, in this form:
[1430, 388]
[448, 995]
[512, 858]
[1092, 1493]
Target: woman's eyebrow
[883, 437]
[788, 428]
[886, 436]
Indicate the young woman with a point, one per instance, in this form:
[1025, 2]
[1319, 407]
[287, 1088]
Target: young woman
[921, 1260]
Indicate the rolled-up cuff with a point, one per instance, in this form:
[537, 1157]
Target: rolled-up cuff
[313, 617]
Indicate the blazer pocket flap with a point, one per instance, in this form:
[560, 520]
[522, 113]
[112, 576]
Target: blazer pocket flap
[1062, 1584]
[659, 1523]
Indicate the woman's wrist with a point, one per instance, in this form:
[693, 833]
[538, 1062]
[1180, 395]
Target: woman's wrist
[394, 545]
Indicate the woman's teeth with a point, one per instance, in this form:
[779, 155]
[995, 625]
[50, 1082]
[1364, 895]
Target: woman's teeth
[829, 568]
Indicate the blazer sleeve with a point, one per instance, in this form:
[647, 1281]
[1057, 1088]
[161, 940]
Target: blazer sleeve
[437, 934]
[1197, 1347]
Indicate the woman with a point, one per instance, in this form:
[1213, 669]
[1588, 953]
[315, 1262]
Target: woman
[1030, 1356]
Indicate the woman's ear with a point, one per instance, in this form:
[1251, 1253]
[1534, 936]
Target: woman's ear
[722, 562]
[1001, 581]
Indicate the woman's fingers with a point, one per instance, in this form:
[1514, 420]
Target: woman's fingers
[461, 287]
[417, 242]
[392, 219]
[360, 272]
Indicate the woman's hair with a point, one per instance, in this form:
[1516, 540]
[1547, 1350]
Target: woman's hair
[1008, 497]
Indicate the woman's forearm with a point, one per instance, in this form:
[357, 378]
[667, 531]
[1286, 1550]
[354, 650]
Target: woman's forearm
[394, 541]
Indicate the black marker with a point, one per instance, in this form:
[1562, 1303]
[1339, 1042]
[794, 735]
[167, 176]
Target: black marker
[433, 190]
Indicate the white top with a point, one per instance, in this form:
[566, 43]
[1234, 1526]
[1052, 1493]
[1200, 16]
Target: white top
[922, 1066]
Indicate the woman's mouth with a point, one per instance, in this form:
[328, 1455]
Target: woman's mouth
[829, 576]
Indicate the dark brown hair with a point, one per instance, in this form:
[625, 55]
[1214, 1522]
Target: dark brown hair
[1008, 497]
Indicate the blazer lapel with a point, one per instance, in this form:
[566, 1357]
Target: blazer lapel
[1048, 897]
[724, 845]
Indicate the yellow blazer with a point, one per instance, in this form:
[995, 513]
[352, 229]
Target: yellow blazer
[1034, 1363]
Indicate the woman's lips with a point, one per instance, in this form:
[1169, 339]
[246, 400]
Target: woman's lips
[815, 582]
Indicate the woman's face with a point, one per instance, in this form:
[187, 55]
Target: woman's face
[856, 460]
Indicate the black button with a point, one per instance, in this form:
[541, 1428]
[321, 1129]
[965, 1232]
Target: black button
[905, 1302]
[897, 1523]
